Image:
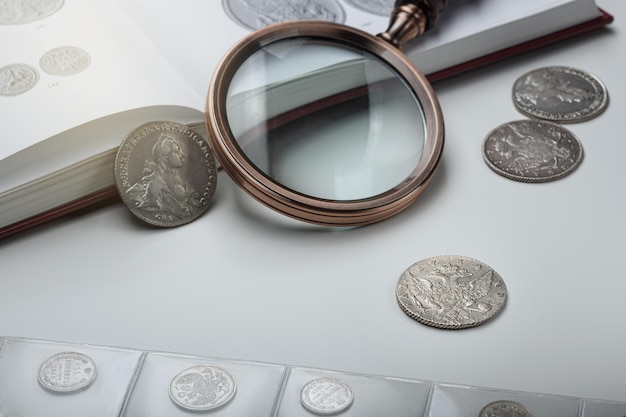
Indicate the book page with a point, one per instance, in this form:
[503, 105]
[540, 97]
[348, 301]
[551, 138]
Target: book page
[74, 61]
[194, 34]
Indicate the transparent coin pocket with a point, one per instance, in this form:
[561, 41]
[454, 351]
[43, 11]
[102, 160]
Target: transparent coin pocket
[254, 392]
[41, 378]
[462, 401]
[21, 393]
[372, 396]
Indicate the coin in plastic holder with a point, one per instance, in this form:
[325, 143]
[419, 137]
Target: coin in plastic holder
[505, 408]
[165, 173]
[202, 388]
[67, 372]
[326, 396]
[328, 124]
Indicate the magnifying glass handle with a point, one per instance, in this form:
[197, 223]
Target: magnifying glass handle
[411, 18]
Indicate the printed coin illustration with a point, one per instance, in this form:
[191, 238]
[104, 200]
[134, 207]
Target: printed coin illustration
[202, 388]
[326, 396]
[17, 79]
[67, 372]
[505, 409]
[18, 12]
[65, 60]
[451, 292]
[379, 7]
[255, 14]
[560, 94]
[532, 151]
[165, 173]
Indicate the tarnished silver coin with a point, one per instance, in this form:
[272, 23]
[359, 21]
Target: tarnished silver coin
[505, 409]
[202, 388]
[255, 14]
[451, 292]
[326, 396]
[532, 151]
[67, 372]
[379, 7]
[16, 79]
[65, 60]
[560, 94]
[18, 12]
[165, 173]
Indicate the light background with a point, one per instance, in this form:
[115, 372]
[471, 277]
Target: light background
[242, 283]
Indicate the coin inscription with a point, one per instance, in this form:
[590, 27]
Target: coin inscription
[505, 409]
[16, 79]
[18, 12]
[326, 396]
[65, 60]
[255, 14]
[560, 94]
[532, 151]
[202, 388]
[451, 292]
[165, 173]
[67, 372]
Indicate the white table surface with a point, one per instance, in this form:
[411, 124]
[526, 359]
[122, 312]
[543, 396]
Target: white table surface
[243, 283]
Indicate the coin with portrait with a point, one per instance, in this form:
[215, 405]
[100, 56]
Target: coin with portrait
[165, 173]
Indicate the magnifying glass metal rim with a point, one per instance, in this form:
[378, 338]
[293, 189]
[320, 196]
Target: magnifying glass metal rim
[292, 203]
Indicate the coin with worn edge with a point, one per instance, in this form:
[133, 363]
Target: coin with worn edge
[505, 409]
[16, 79]
[165, 173]
[255, 14]
[451, 292]
[67, 372]
[18, 12]
[202, 388]
[532, 151]
[326, 396]
[65, 60]
[560, 94]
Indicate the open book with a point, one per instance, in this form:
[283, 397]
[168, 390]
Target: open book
[77, 76]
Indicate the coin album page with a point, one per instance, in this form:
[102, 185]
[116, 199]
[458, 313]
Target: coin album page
[136, 383]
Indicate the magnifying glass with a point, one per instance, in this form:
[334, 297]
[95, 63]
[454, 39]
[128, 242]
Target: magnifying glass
[326, 123]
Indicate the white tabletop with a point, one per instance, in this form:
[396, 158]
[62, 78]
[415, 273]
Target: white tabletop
[243, 283]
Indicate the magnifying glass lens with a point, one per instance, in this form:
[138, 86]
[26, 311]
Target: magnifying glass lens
[326, 119]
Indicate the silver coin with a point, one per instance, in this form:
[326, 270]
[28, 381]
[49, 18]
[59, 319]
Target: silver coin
[379, 7]
[67, 372]
[16, 79]
[560, 94]
[451, 292]
[202, 388]
[165, 173]
[65, 60]
[532, 151]
[505, 409]
[255, 14]
[18, 12]
[326, 396]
